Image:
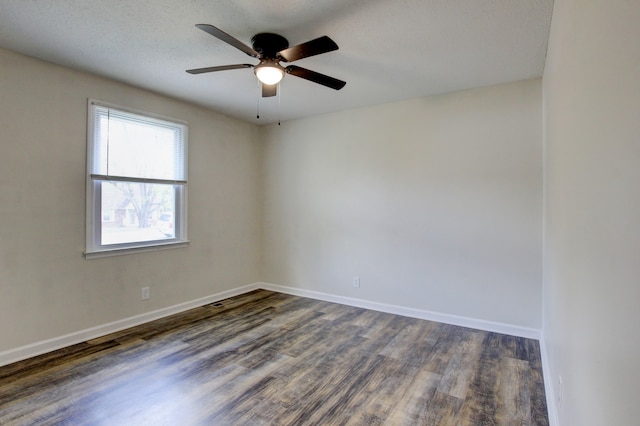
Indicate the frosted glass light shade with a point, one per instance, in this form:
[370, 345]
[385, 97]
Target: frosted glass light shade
[269, 74]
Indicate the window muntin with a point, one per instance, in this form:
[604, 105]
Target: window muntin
[136, 180]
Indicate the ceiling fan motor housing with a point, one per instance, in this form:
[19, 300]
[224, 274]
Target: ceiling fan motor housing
[269, 44]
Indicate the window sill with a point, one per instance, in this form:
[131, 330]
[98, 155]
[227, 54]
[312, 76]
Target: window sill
[96, 254]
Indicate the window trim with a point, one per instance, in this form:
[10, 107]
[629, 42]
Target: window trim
[93, 248]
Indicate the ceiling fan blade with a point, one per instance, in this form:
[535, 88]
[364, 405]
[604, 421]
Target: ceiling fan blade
[269, 90]
[314, 47]
[316, 77]
[219, 68]
[218, 33]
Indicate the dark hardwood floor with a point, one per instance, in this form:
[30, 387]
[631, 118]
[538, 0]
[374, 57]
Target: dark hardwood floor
[271, 358]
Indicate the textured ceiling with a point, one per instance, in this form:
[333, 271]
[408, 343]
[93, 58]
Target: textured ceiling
[388, 50]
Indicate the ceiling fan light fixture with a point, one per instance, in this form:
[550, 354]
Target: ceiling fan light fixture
[271, 49]
[269, 72]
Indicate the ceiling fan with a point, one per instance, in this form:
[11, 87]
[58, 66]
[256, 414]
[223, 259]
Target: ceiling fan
[271, 49]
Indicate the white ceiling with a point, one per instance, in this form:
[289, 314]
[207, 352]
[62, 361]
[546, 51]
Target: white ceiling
[389, 50]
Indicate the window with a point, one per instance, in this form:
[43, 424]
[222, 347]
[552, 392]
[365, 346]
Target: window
[136, 181]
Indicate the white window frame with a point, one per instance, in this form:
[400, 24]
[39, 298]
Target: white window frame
[94, 248]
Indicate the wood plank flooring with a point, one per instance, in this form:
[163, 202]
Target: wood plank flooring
[266, 358]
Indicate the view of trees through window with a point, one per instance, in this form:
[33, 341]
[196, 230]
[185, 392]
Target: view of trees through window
[134, 211]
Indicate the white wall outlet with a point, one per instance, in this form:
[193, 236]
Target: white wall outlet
[560, 390]
[145, 294]
[356, 282]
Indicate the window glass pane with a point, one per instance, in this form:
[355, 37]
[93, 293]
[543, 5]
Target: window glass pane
[135, 212]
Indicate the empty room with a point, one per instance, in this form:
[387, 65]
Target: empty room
[292, 212]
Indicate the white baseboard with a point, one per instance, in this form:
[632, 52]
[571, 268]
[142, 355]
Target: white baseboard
[38, 348]
[549, 385]
[496, 327]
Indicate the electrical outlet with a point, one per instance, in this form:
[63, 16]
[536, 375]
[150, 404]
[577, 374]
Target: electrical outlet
[145, 294]
[560, 390]
[356, 282]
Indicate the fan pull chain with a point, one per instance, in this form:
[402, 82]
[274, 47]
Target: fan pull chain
[258, 101]
[279, 99]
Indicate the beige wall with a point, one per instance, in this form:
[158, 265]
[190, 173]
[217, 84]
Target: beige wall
[592, 215]
[47, 288]
[435, 203]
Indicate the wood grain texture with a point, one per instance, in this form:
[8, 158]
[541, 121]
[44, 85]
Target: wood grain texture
[266, 358]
